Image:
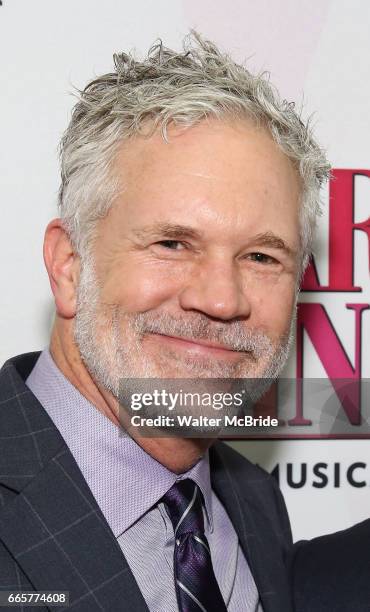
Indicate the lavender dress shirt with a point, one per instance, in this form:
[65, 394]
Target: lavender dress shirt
[128, 484]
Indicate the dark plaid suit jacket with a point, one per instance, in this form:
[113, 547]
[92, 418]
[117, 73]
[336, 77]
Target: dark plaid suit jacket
[53, 535]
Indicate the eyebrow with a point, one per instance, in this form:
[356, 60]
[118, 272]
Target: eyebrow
[175, 231]
[169, 231]
[269, 239]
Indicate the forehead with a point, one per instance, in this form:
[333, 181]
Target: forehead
[226, 147]
[215, 171]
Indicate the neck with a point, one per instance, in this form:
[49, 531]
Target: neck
[176, 454]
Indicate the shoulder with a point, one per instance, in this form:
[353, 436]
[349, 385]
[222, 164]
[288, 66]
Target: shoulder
[29, 438]
[259, 488]
[350, 547]
[333, 570]
[223, 456]
[20, 365]
[15, 396]
[13, 375]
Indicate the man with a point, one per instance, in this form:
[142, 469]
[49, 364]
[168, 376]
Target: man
[188, 199]
[332, 572]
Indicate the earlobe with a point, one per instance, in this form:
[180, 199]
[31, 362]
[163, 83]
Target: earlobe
[62, 264]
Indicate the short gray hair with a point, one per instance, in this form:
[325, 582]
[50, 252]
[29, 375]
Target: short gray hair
[182, 89]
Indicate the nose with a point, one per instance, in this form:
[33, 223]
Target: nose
[217, 290]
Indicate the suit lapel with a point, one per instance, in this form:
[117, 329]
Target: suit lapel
[253, 528]
[53, 527]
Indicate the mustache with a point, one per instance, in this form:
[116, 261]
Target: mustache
[233, 335]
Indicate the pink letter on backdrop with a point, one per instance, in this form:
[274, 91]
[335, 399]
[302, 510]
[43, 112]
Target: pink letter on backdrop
[314, 319]
[341, 235]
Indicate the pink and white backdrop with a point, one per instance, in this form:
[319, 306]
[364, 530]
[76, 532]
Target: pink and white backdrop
[318, 54]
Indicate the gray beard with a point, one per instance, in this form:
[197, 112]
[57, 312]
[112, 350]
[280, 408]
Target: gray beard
[98, 335]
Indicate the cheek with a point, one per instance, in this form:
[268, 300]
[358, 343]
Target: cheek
[272, 312]
[138, 287]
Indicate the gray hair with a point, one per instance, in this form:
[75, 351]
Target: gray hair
[181, 89]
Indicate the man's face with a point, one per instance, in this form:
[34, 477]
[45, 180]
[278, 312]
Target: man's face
[196, 262]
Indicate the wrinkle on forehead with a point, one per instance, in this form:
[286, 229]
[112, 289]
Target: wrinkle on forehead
[201, 175]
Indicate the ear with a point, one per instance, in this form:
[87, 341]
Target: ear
[63, 265]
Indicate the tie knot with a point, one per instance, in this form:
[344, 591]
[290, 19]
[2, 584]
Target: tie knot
[183, 503]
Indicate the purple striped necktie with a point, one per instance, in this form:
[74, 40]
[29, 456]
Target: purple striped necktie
[196, 585]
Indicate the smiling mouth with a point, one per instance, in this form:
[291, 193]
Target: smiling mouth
[198, 347]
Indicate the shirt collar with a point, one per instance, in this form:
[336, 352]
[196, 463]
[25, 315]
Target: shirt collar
[125, 480]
